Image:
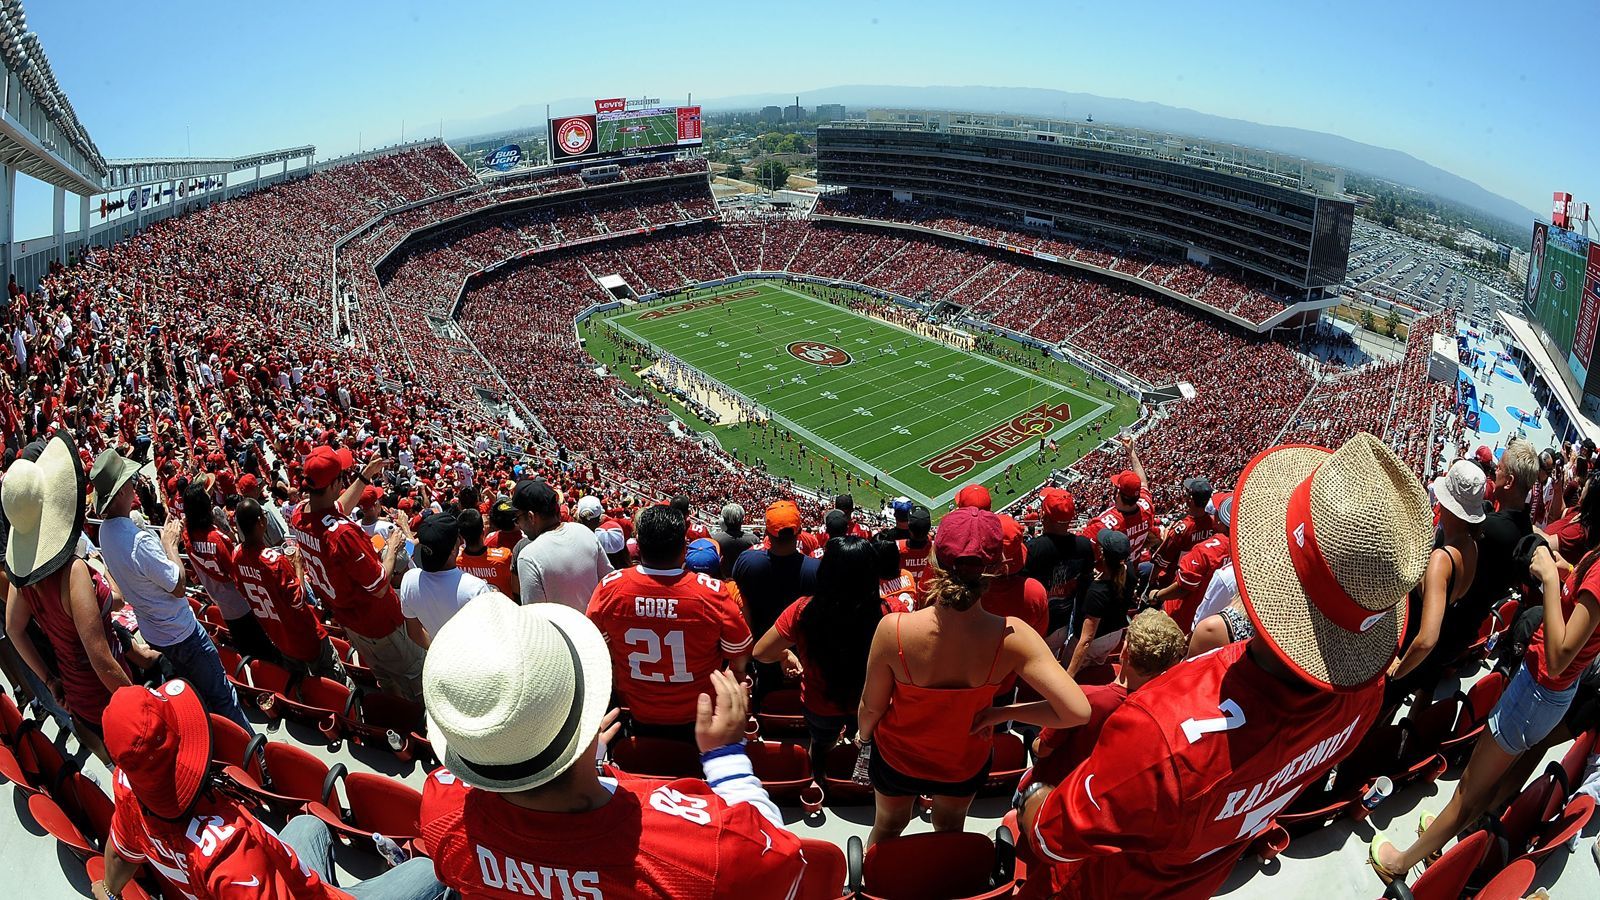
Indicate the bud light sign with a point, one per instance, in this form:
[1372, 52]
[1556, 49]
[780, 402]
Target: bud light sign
[505, 159]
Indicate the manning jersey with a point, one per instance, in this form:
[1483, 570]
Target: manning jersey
[495, 565]
[668, 631]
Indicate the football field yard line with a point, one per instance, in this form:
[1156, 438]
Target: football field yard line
[873, 381]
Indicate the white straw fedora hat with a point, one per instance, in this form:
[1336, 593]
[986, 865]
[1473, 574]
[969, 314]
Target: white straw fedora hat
[44, 502]
[515, 694]
[1327, 544]
[1460, 489]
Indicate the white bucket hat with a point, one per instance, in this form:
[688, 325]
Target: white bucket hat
[515, 694]
[1460, 489]
[1327, 544]
[44, 502]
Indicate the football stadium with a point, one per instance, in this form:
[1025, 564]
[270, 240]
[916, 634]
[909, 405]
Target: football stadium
[1012, 505]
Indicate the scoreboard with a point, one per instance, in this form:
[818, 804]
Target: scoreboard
[1563, 298]
[621, 127]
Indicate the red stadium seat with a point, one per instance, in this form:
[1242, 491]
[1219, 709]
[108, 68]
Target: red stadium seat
[284, 777]
[1476, 705]
[1511, 884]
[228, 742]
[1447, 878]
[10, 719]
[1572, 765]
[950, 865]
[318, 702]
[781, 712]
[32, 763]
[1557, 830]
[372, 804]
[376, 719]
[76, 812]
[825, 871]
[838, 767]
[1010, 760]
[360, 674]
[262, 683]
[95, 869]
[656, 757]
[784, 768]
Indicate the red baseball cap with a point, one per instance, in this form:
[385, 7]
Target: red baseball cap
[969, 533]
[369, 496]
[1056, 505]
[248, 483]
[161, 742]
[974, 495]
[1013, 546]
[346, 458]
[1128, 483]
[322, 468]
[1484, 454]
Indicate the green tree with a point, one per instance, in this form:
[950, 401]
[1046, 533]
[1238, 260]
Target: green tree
[792, 143]
[1393, 321]
[772, 174]
[735, 171]
[1367, 320]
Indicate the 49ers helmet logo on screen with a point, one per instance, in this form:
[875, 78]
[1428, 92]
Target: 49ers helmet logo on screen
[819, 354]
[576, 136]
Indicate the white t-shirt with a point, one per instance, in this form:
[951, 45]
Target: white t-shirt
[1220, 592]
[433, 597]
[563, 565]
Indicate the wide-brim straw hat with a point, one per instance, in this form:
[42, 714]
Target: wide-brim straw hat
[515, 694]
[1327, 544]
[45, 506]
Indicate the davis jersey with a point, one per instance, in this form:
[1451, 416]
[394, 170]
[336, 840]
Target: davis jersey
[1188, 770]
[269, 583]
[668, 630]
[652, 840]
[345, 572]
[219, 852]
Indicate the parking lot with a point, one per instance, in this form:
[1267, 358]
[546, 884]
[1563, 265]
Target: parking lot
[1393, 266]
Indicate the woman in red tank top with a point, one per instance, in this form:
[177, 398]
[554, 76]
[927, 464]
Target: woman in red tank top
[925, 712]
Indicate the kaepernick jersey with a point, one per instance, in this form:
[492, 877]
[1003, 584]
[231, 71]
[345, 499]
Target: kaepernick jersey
[1136, 524]
[1194, 573]
[1188, 770]
[668, 631]
[345, 572]
[495, 565]
[652, 840]
[220, 852]
[275, 597]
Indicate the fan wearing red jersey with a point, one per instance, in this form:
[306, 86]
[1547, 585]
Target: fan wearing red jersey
[206, 845]
[279, 603]
[668, 629]
[1194, 765]
[348, 576]
[211, 553]
[516, 699]
[1133, 511]
[1193, 529]
[916, 549]
[1182, 598]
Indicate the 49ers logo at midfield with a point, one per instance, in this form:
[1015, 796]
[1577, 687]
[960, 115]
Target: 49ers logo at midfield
[819, 354]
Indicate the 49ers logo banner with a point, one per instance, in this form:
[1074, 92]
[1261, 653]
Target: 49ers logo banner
[1028, 426]
[819, 354]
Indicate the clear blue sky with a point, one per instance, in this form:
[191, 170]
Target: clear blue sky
[1473, 87]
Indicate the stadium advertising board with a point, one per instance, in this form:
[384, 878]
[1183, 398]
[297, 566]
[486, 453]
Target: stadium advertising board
[615, 104]
[572, 137]
[1588, 318]
[504, 159]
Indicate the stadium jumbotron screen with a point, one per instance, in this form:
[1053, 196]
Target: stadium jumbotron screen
[621, 132]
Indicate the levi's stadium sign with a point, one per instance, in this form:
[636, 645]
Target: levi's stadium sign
[819, 354]
[504, 159]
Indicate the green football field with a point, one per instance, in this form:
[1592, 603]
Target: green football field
[645, 131]
[924, 417]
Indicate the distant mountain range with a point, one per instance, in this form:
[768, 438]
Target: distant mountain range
[1382, 162]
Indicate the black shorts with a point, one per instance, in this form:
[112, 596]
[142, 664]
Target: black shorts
[890, 782]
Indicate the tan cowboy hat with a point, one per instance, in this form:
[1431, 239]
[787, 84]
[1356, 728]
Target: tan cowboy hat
[110, 472]
[44, 504]
[515, 694]
[1327, 544]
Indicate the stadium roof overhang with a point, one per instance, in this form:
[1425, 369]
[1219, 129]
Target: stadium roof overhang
[122, 173]
[40, 134]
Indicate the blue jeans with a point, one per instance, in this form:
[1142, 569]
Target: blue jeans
[1527, 711]
[195, 660]
[313, 843]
